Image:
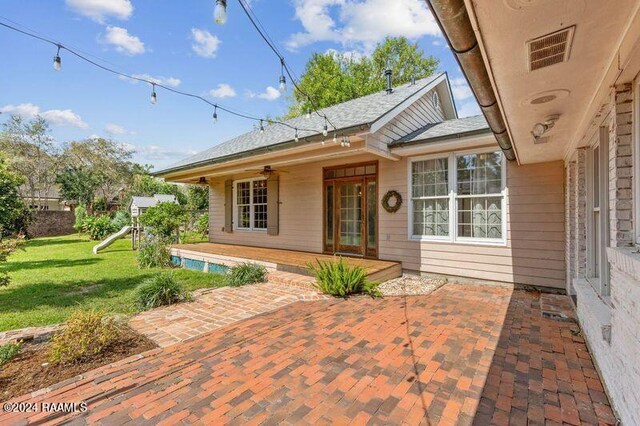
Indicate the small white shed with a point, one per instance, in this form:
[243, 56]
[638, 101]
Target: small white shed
[138, 205]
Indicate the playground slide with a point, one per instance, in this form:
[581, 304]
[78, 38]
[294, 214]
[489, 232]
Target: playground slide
[111, 238]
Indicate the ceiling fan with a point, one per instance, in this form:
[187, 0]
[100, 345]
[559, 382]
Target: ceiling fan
[266, 171]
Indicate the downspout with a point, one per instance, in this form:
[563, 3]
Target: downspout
[453, 19]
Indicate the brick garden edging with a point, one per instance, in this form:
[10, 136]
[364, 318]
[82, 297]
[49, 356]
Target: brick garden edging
[37, 334]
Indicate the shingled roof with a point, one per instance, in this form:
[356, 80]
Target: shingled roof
[353, 113]
[457, 126]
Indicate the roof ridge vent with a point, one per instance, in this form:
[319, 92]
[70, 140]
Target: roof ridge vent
[550, 49]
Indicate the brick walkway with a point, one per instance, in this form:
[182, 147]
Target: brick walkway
[462, 355]
[214, 309]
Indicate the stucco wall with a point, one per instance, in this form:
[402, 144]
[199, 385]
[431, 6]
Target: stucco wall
[533, 255]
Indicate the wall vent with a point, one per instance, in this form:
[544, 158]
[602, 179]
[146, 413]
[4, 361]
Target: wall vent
[550, 49]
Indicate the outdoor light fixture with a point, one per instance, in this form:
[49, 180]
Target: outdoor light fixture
[57, 62]
[215, 114]
[154, 97]
[540, 129]
[220, 12]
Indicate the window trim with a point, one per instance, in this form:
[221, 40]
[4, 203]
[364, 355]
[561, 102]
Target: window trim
[453, 237]
[251, 206]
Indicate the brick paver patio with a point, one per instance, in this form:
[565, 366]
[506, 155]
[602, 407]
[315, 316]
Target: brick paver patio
[461, 355]
[214, 309]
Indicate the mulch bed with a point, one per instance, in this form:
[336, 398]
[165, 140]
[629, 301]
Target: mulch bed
[26, 373]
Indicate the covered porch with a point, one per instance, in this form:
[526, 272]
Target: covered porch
[212, 257]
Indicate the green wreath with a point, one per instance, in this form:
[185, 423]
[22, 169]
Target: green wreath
[398, 201]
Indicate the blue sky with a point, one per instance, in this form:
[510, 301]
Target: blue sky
[179, 44]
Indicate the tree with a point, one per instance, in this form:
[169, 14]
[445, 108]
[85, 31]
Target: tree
[145, 185]
[197, 197]
[165, 219]
[32, 153]
[332, 78]
[12, 207]
[79, 184]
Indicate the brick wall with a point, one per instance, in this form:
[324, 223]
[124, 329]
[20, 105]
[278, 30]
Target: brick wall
[50, 223]
[621, 168]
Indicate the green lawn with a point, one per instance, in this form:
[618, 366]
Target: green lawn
[54, 275]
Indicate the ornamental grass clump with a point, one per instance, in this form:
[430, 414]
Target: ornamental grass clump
[86, 334]
[160, 290]
[8, 351]
[245, 273]
[338, 278]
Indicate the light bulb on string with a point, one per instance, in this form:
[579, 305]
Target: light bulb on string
[296, 136]
[57, 62]
[335, 138]
[325, 130]
[261, 126]
[154, 97]
[220, 12]
[308, 113]
[283, 79]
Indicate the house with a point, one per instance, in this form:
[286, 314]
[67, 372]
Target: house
[559, 81]
[455, 203]
[44, 200]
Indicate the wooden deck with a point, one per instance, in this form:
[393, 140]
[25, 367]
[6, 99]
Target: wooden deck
[280, 260]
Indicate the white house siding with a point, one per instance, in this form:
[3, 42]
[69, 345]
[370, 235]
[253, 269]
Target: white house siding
[533, 255]
[610, 322]
[415, 117]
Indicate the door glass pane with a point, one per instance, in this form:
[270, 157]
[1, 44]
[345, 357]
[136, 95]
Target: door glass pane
[351, 214]
[329, 215]
[372, 201]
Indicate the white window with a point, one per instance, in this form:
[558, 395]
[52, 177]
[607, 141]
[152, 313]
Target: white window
[251, 204]
[458, 197]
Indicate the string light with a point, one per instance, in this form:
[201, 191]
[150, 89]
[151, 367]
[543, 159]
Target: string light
[296, 137]
[220, 12]
[154, 97]
[261, 127]
[308, 113]
[57, 62]
[154, 84]
[335, 138]
[325, 130]
[283, 79]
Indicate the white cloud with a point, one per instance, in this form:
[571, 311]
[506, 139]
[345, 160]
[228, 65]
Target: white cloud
[269, 94]
[165, 81]
[123, 41]
[150, 153]
[99, 10]
[361, 23]
[460, 89]
[204, 43]
[223, 91]
[116, 129]
[55, 117]
[468, 109]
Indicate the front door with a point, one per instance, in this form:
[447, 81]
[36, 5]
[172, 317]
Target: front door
[350, 209]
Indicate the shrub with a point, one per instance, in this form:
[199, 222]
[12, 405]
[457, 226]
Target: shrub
[340, 279]
[165, 218]
[159, 290]
[154, 252]
[121, 219]
[86, 334]
[245, 273]
[97, 227]
[8, 351]
[80, 214]
[8, 246]
[100, 204]
[202, 224]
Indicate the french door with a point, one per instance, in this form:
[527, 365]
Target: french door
[350, 209]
